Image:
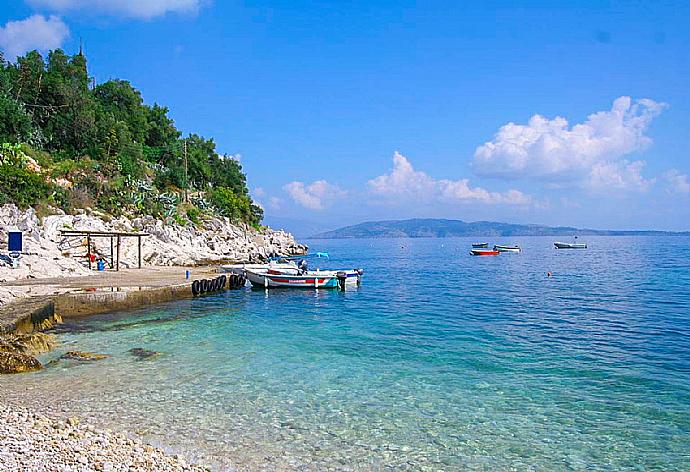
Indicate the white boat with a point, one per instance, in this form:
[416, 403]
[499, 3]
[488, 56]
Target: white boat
[239, 269]
[570, 245]
[265, 278]
[507, 248]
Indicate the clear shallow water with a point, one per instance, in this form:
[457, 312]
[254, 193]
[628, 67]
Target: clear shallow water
[440, 361]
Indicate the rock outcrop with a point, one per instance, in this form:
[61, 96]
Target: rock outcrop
[48, 254]
[17, 363]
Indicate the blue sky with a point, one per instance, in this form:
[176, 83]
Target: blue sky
[360, 110]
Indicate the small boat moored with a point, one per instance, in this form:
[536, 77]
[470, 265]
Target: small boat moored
[271, 278]
[570, 245]
[484, 252]
[480, 245]
[507, 248]
[307, 279]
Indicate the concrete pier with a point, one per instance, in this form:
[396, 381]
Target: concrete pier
[46, 301]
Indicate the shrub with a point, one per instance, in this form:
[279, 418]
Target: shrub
[22, 187]
[194, 215]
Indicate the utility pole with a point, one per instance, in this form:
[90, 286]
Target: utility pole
[186, 177]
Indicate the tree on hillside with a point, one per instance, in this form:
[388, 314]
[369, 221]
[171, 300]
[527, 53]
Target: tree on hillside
[115, 151]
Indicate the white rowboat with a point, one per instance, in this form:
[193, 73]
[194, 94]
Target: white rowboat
[570, 245]
[507, 248]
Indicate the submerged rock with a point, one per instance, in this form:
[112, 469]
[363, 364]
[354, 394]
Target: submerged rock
[83, 356]
[142, 353]
[16, 363]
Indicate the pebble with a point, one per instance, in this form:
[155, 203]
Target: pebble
[31, 442]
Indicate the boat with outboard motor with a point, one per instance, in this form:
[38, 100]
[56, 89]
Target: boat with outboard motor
[265, 278]
[287, 272]
[507, 248]
[284, 265]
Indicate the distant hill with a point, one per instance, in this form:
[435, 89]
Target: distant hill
[442, 228]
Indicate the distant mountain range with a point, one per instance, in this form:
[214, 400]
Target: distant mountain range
[441, 228]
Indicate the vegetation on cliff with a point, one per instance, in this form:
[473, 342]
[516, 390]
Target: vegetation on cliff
[69, 143]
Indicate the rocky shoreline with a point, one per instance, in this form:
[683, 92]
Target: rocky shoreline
[47, 254]
[35, 442]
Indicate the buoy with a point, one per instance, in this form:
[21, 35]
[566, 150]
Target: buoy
[548, 274]
[195, 288]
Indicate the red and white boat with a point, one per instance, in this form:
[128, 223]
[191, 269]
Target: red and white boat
[484, 252]
[265, 278]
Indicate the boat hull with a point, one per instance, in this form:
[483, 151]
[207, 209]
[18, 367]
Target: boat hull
[484, 252]
[266, 280]
[570, 245]
[507, 249]
[480, 245]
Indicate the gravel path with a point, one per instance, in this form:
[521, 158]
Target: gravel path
[33, 442]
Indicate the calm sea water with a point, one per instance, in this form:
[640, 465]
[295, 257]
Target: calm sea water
[439, 361]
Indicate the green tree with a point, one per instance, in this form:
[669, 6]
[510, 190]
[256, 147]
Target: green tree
[124, 103]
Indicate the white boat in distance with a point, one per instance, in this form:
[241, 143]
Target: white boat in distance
[570, 245]
[507, 248]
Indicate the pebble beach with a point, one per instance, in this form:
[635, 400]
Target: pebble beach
[35, 442]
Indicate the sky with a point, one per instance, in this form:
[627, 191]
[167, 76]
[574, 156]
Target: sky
[551, 112]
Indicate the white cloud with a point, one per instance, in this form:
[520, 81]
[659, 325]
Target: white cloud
[35, 32]
[622, 175]
[676, 182]
[315, 196]
[145, 9]
[259, 192]
[275, 203]
[405, 182]
[553, 151]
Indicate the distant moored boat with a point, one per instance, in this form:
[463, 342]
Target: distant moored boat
[480, 245]
[507, 248]
[570, 245]
[484, 252]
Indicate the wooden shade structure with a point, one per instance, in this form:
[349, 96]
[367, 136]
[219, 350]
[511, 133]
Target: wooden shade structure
[115, 243]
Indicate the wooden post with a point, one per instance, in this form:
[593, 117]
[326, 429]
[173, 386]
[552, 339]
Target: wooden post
[112, 261]
[139, 238]
[117, 265]
[88, 249]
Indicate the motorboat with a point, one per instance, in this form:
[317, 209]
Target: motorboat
[267, 278]
[570, 245]
[272, 277]
[480, 245]
[507, 248]
[287, 266]
[484, 252]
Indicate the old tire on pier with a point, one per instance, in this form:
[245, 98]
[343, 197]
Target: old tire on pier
[195, 288]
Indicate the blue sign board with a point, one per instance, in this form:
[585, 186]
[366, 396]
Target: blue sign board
[15, 241]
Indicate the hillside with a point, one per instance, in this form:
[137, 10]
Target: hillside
[67, 143]
[442, 228]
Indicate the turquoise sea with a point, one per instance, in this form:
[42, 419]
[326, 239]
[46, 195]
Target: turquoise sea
[439, 361]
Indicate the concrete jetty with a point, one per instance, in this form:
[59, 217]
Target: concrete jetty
[45, 301]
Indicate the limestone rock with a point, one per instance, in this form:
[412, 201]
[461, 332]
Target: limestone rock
[142, 353]
[48, 254]
[15, 363]
[83, 356]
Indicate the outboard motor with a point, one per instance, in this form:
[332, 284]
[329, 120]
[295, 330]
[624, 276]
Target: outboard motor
[360, 273]
[303, 266]
[342, 279]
